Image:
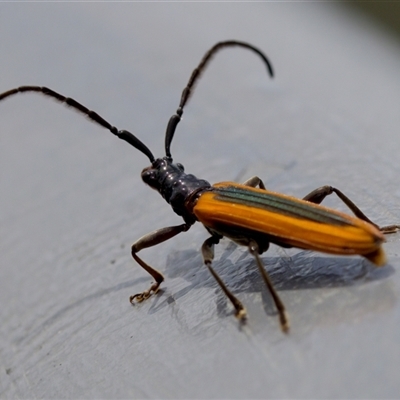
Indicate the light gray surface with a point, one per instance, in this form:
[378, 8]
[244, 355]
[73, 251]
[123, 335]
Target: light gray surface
[72, 201]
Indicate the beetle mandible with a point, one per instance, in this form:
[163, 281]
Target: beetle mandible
[247, 213]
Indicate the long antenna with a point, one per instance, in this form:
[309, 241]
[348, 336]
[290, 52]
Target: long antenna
[93, 116]
[187, 91]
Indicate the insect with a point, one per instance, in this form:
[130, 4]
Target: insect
[247, 213]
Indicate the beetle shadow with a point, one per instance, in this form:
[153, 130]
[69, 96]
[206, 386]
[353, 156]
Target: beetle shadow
[294, 270]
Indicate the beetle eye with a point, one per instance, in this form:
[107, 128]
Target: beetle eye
[149, 176]
[180, 166]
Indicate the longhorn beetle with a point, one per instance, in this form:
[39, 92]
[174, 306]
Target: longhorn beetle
[247, 213]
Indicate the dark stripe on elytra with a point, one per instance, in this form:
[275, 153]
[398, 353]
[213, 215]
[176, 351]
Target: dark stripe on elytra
[270, 202]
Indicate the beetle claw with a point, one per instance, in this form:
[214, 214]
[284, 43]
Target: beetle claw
[139, 297]
[241, 314]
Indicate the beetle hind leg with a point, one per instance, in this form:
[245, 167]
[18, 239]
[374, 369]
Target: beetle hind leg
[208, 255]
[318, 195]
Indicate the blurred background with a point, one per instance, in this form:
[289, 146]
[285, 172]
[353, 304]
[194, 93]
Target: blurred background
[386, 14]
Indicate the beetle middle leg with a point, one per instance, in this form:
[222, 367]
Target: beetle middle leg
[151, 239]
[318, 195]
[208, 255]
[283, 317]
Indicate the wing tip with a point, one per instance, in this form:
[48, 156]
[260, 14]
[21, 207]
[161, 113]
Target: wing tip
[377, 257]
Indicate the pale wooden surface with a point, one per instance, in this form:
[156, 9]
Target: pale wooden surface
[72, 201]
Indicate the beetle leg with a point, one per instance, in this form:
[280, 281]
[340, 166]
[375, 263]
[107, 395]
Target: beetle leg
[283, 317]
[254, 182]
[389, 229]
[151, 239]
[317, 195]
[208, 255]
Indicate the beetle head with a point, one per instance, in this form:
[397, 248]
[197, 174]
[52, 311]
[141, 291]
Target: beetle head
[161, 172]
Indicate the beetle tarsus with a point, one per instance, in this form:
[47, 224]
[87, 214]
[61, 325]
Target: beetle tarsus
[389, 229]
[241, 314]
[139, 297]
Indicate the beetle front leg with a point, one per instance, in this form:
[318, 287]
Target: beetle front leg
[283, 317]
[151, 239]
[318, 195]
[208, 255]
[254, 182]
